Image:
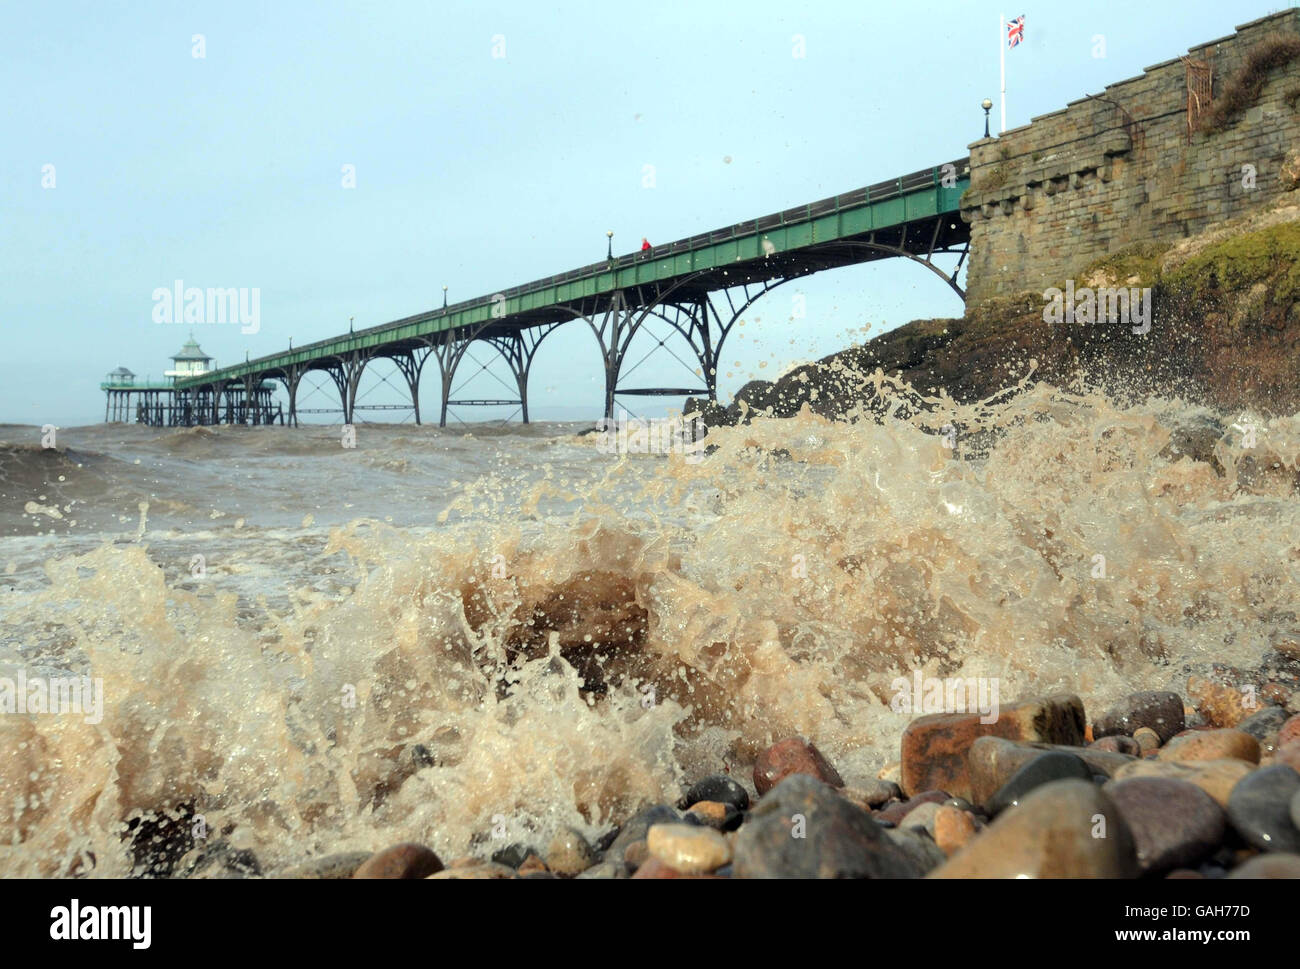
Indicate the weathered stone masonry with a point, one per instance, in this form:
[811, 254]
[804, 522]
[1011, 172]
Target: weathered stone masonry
[1121, 168]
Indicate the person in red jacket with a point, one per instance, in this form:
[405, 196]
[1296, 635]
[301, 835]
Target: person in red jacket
[645, 244]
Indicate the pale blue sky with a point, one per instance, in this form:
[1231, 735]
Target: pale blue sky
[478, 172]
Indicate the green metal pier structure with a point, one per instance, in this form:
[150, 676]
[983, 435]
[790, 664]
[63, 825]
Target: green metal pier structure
[699, 286]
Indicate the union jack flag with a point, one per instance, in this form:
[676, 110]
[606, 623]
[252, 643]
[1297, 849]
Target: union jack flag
[1015, 31]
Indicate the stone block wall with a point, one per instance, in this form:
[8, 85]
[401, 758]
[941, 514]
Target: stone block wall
[1121, 168]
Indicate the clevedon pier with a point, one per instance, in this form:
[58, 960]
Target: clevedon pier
[699, 287]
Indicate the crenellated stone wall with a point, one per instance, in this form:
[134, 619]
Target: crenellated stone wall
[1121, 168]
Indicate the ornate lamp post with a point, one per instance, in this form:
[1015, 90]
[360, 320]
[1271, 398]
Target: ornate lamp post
[987, 105]
[609, 252]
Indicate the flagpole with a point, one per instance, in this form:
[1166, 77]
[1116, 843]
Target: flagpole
[1002, 60]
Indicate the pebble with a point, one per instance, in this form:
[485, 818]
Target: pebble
[654, 868]
[1118, 744]
[487, 870]
[569, 853]
[1266, 727]
[1289, 731]
[953, 828]
[872, 794]
[1212, 745]
[1050, 766]
[1161, 711]
[993, 761]
[803, 829]
[936, 747]
[1050, 835]
[1174, 823]
[792, 756]
[1274, 865]
[716, 787]
[1146, 739]
[715, 814]
[895, 813]
[635, 828]
[1215, 777]
[1260, 809]
[405, 860]
[1288, 754]
[688, 849]
[922, 816]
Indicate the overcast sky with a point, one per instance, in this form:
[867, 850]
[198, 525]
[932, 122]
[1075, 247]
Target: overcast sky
[479, 171]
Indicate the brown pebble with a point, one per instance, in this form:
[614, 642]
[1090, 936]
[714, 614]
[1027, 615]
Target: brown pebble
[792, 756]
[712, 813]
[1212, 745]
[406, 860]
[1146, 739]
[953, 827]
[1288, 754]
[1117, 744]
[1290, 731]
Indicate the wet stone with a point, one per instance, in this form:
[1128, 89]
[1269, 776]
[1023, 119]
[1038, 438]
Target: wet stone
[953, 829]
[716, 787]
[803, 829]
[406, 860]
[1158, 710]
[1260, 809]
[1050, 766]
[1146, 739]
[1212, 745]
[1174, 823]
[569, 853]
[1050, 834]
[1216, 778]
[993, 761]
[936, 747]
[636, 827]
[1290, 730]
[792, 756]
[688, 849]
[488, 870]
[1118, 744]
[894, 813]
[715, 814]
[1265, 726]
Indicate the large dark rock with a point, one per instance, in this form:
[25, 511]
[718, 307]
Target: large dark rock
[803, 829]
[1162, 711]
[1174, 823]
[1260, 808]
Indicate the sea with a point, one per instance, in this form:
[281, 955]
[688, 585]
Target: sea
[476, 636]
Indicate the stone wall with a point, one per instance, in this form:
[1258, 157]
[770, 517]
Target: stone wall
[1121, 168]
